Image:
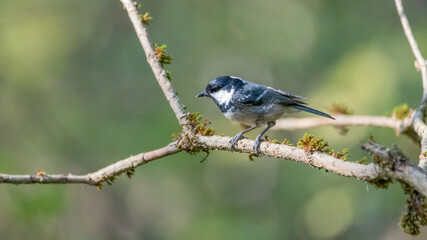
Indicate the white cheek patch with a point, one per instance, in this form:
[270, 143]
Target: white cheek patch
[223, 96]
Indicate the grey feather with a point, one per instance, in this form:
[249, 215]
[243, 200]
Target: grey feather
[311, 110]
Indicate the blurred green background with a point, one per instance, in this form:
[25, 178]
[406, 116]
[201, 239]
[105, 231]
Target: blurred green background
[76, 94]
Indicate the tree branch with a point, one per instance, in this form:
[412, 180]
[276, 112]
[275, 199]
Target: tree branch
[399, 126]
[340, 121]
[421, 64]
[96, 178]
[402, 170]
[315, 159]
[398, 166]
[159, 72]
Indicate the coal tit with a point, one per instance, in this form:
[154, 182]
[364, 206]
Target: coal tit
[252, 104]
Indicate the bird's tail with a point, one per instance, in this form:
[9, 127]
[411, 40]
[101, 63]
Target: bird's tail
[311, 110]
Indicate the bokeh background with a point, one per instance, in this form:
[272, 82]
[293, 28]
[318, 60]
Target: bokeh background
[76, 94]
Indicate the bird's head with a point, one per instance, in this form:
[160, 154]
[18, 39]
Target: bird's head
[217, 86]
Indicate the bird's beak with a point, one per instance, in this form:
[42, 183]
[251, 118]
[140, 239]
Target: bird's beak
[202, 94]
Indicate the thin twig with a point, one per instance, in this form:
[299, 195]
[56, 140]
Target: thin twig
[419, 115]
[340, 121]
[97, 177]
[155, 65]
[51, 178]
[399, 126]
[414, 45]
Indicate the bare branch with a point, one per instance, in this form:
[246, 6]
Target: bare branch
[97, 177]
[421, 63]
[155, 65]
[340, 121]
[55, 178]
[133, 162]
[399, 126]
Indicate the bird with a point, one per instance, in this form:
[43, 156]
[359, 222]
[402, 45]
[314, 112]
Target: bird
[253, 105]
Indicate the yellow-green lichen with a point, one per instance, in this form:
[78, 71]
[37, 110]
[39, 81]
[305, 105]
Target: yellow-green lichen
[363, 161]
[311, 144]
[343, 155]
[402, 111]
[380, 182]
[286, 142]
[340, 108]
[415, 213]
[186, 139]
[130, 172]
[137, 5]
[251, 156]
[161, 54]
[195, 120]
[271, 141]
[145, 18]
[168, 75]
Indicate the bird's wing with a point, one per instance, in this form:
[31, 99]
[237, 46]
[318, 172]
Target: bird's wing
[286, 94]
[255, 94]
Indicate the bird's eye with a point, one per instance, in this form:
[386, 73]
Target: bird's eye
[214, 88]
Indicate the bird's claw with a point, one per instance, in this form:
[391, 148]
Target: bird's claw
[256, 145]
[256, 149]
[235, 139]
[233, 142]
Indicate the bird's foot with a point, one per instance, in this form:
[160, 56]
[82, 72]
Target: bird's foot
[235, 139]
[258, 141]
